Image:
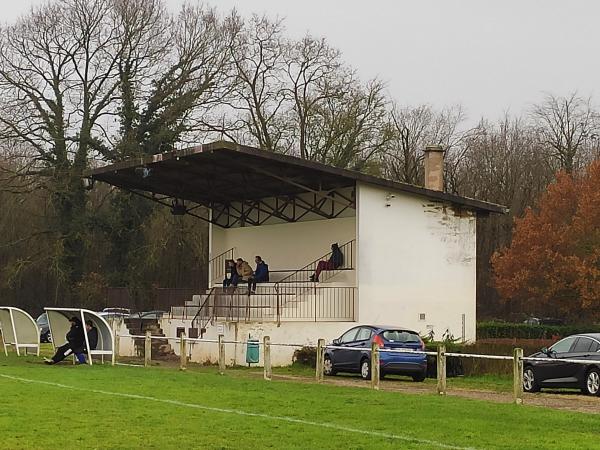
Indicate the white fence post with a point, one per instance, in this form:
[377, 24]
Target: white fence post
[221, 354]
[182, 352]
[267, 358]
[147, 349]
[320, 360]
[518, 376]
[116, 343]
[375, 365]
[441, 369]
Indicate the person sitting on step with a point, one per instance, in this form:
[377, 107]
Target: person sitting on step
[261, 274]
[231, 276]
[335, 261]
[244, 272]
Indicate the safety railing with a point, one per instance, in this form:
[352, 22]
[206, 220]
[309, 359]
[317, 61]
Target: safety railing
[278, 303]
[302, 275]
[205, 318]
[217, 265]
[185, 353]
[294, 297]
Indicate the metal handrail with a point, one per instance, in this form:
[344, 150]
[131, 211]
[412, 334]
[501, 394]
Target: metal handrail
[202, 307]
[308, 285]
[212, 263]
[326, 257]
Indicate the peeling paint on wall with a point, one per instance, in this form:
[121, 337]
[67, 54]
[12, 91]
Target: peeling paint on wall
[456, 228]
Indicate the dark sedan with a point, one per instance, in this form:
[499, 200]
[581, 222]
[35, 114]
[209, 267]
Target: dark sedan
[44, 327]
[409, 362]
[557, 373]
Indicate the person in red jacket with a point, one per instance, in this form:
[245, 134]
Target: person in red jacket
[335, 261]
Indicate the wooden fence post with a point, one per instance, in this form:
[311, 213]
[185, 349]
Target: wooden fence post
[518, 376]
[221, 354]
[182, 351]
[147, 349]
[375, 365]
[267, 358]
[116, 343]
[320, 360]
[441, 369]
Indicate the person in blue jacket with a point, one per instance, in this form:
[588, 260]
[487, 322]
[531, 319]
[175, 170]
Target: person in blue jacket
[261, 274]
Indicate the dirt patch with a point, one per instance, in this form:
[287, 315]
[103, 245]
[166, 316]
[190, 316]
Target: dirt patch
[572, 401]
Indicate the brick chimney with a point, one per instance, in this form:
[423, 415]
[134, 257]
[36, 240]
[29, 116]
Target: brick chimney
[434, 167]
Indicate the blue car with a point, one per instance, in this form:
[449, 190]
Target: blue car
[359, 361]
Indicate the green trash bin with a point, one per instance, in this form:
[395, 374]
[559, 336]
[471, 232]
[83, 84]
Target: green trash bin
[252, 351]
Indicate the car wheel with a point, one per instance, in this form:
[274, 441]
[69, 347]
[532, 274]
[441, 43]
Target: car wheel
[529, 382]
[365, 369]
[419, 378]
[328, 367]
[592, 382]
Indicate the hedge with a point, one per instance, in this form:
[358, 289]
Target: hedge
[497, 330]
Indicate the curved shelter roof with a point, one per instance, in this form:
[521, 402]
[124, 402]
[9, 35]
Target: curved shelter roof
[19, 330]
[221, 173]
[58, 320]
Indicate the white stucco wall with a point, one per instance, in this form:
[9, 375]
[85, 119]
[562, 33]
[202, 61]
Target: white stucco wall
[283, 246]
[415, 256]
[302, 333]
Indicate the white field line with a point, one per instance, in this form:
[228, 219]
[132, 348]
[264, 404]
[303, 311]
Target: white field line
[237, 412]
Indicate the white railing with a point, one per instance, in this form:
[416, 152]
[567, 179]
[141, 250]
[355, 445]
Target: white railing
[518, 359]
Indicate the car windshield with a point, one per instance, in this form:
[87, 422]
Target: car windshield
[401, 336]
[564, 345]
[42, 320]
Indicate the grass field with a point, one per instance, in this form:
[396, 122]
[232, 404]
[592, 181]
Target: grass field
[69, 406]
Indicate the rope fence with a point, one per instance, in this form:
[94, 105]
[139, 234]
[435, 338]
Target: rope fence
[374, 351]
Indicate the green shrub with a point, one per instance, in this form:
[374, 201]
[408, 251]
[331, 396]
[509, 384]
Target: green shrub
[306, 356]
[498, 330]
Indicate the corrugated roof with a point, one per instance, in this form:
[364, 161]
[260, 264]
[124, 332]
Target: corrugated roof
[224, 172]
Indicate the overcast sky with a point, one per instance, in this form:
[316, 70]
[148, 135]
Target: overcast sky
[489, 56]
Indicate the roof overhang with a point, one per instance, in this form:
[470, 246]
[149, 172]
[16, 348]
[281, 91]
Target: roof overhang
[219, 174]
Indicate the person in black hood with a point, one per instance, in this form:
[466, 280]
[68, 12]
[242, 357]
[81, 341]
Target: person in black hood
[75, 342]
[335, 261]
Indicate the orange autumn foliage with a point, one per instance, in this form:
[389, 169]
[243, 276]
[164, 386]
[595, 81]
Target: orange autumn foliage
[552, 266]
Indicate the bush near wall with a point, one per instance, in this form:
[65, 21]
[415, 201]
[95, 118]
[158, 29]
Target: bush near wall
[456, 366]
[305, 356]
[497, 330]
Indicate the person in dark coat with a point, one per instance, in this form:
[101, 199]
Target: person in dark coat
[231, 275]
[75, 342]
[261, 274]
[335, 261]
[92, 337]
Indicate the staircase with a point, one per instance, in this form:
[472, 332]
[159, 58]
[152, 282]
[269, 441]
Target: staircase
[161, 349]
[294, 297]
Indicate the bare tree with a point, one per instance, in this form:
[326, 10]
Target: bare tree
[350, 129]
[70, 68]
[173, 73]
[413, 128]
[260, 95]
[315, 74]
[565, 126]
[57, 80]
